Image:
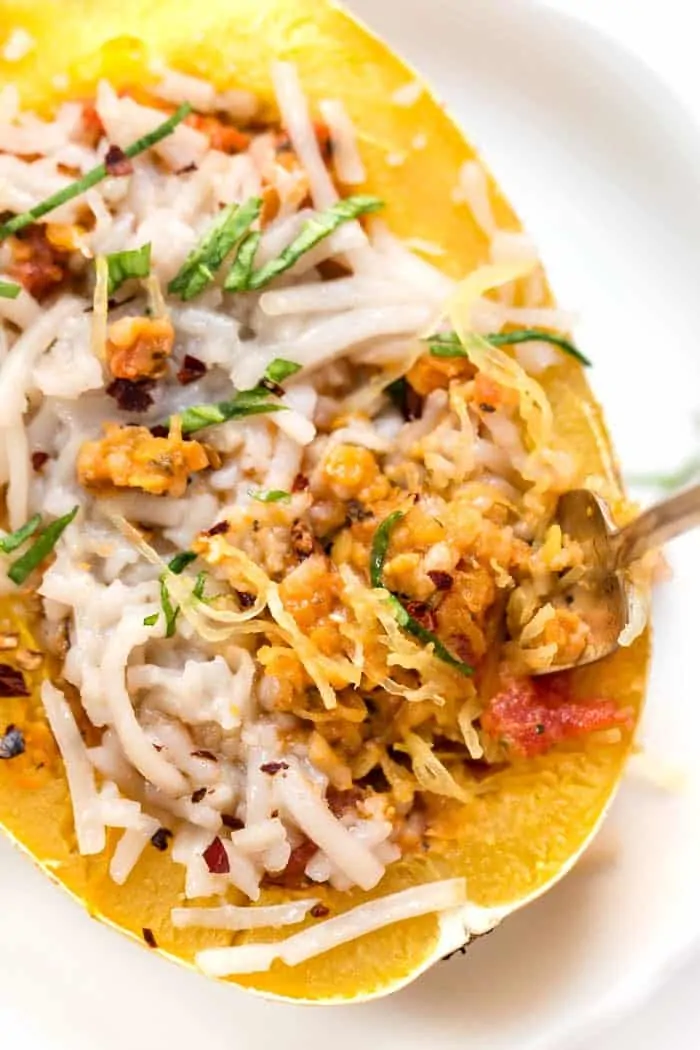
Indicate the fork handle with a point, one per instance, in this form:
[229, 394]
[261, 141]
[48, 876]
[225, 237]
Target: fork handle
[656, 526]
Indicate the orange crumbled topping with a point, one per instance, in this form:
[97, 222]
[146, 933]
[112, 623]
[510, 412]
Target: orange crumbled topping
[39, 266]
[309, 593]
[139, 347]
[65, 237]
[566, 631]
[221, 136]
[435, 373]
[349, 470]
[488, 392]
[131, 457]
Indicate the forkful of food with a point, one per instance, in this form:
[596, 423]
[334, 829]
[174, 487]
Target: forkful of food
[602, 597]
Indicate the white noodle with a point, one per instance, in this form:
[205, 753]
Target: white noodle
[346, 156]
[376, 914]
[228, 917]
[296, 796]
[89, 829]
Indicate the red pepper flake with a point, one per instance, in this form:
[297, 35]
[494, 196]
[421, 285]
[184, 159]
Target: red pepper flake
[231, 822]
[201, 753]
[273, 767]
[302, 539]
[12, 743]
[532, 716]
[422, 612]
[300, 483]
[12, 682]
[117, 163]
[159, 839]
[357, 511]
[36, 263]
[442, 580]
[187, 170]
[39, 459]
[219, 529]
[199, 794]
[216, 857]
[149, 937]
[245, 599]
[339, 802]
[269, 384]
[292, 876]
[132, 396]
[159, 431]
[191, 370]
[319, 911]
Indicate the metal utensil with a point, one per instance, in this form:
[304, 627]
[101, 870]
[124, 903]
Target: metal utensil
[601, 597]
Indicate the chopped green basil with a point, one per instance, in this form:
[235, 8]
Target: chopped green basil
[151, 620]
[239, 276]
[15, 539]
[9, 290]
[70, 192]
[448, 344]
[198, 589]
[170, 611]
[246, 403]
[180, 562]
[271, 496]
[224, 233]
[123, 265]
[280, 369]
[405, 620]
[40, 549]
[380, 545]
[315, 230]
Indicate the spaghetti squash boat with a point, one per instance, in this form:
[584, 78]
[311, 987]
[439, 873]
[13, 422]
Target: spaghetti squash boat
[285, 411]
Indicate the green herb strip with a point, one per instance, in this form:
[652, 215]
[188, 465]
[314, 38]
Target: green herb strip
[239, 276]
[180, 562]
[280, 369]
[271, 496]
[123, 265]
[69, 193]
[246, 403]
[15, 539]
[448, 344]
[315, 230]
[226, 231]
[176, 565]
[170, 611]
[380, 546]
[40, 549]
[198, 589]
[9, 290]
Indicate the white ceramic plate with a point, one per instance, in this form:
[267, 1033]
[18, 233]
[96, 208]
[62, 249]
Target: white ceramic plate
[603, 165]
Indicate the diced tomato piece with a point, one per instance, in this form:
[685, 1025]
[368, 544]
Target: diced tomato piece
[532, 716]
